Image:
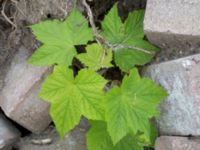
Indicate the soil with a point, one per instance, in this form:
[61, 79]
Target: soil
[171, 54]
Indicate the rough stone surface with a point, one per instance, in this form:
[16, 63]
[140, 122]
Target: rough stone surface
[180, 112]
[30, 12]
[170, 23]
[75, 140]
[177, 143]
[19, 96]
[8, 134]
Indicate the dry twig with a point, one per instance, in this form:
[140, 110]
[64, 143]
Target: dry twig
[100, 40]
[5, 16]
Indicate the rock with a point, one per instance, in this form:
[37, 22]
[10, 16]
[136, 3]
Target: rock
[31, 12]
[84, 123]
[75, 140]
[180, 112]
[177, 143]
[126, 6]
[8, 134]
[170, 23]
[19, 96]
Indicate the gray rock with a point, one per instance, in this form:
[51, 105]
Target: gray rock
[180, 112]
[170, 23]
[177, 143]
[8, 134]
[31, 12]
[19, 96]
[75, 140]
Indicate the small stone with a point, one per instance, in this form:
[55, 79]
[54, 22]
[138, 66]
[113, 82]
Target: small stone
[42, 141]
[9, 135]
[173, 23]
[84, 124]
[180, 112]
[19, 96]
[177, 143]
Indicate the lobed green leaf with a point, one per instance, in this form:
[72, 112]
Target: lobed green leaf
[127, 34]
[94, 57]
[129, 107]
[59, 38]
[72, 98]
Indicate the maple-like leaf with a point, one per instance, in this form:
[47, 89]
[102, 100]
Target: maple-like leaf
[99, 139]
[71, 97]
[131, 47]
[59, 39]
[93, 58]
[129, 107]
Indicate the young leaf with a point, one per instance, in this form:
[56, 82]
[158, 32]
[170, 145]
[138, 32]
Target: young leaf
[149, 135]
[129, 36]
[71, 98]
[129, 107]
[59, 38]
[93, 57]
[99, 139]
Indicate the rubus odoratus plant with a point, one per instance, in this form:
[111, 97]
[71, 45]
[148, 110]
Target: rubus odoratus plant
[119, 115]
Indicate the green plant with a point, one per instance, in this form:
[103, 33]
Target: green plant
[120, 117]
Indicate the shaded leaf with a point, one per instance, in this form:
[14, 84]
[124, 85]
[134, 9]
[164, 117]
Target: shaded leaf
[99, 139]
[148, 139]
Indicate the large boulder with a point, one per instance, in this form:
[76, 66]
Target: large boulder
[177, 143]
[180, 112]
[173, 23]
[19, 96]
[9, 135]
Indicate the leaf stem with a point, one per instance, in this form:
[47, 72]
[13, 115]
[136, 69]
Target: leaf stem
[100, 40]
[122, 46]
